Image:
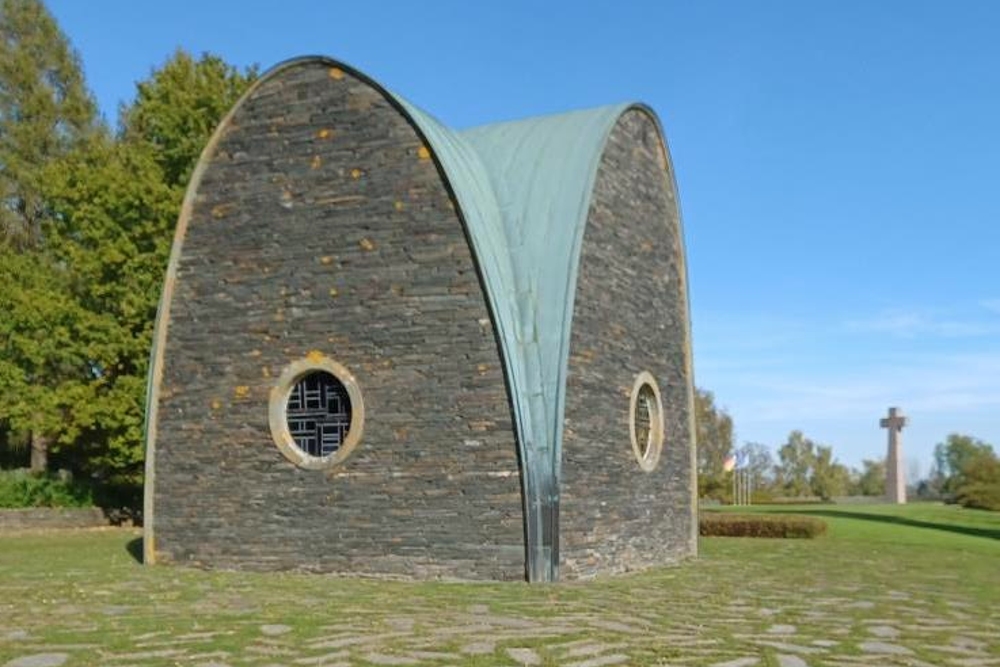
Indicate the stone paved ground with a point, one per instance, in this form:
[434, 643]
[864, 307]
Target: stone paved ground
[737, 606]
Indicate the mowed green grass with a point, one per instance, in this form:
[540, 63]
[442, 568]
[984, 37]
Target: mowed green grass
[886, 585]
[894, 545]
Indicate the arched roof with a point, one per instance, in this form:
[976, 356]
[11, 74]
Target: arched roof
[523, 192]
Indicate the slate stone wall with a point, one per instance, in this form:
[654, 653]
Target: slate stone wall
[321, 223]
[630, 315]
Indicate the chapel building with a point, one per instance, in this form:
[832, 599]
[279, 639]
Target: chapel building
[388, 347]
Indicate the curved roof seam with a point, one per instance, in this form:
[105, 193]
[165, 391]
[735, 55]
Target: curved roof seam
[543, 170]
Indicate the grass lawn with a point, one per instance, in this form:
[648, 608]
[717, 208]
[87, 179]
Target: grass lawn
[888, 585]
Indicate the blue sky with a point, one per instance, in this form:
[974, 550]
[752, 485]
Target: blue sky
[838, 165]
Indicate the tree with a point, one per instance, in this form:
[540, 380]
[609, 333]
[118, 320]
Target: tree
[828, 478]
[760, 464]
[112, 227]
[178, 108]
[796, 458]
[714, 438]
[115, 202]
[952, 457]
[980, 481]
[44, 110]
[13, 447]
[871, 481]
[79, 310]
[44, 337]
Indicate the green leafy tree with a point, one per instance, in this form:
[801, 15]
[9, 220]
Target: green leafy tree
[178, 108]
[828, 478]
[871, 479]
[112, 228]
[13, 446]
[115, 204]
[980, 481]
[75, 339]
[796, 459]
[44, 110]
[44, 340]
[714, 438]
[952, 457]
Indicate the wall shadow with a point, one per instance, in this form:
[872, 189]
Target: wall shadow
[134, 549]
[988, 533]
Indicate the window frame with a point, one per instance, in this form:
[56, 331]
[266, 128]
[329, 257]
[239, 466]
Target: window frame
[278, 411]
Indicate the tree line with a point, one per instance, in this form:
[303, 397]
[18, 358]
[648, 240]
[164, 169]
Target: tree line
[966, 470]
[87, 214]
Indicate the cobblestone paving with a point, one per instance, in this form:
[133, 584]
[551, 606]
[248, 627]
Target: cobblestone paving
[717, 611]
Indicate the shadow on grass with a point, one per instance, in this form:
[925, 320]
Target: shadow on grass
[134, 549]
[989, 533]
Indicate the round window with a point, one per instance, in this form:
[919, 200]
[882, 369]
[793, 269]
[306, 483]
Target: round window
[646, 421]
[316, 412]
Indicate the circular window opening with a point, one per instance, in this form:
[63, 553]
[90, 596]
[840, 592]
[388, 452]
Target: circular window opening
[316, 412]
[643, 419]
[646, 421]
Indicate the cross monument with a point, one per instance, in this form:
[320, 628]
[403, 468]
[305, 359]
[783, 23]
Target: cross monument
[895, 480]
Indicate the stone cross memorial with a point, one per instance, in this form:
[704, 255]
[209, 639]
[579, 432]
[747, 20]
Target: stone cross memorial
[895, 480]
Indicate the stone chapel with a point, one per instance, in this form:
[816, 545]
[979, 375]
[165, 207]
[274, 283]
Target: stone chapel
[388, 347]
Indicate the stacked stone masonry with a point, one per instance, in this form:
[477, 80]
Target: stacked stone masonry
[323, 225]
[629, 316]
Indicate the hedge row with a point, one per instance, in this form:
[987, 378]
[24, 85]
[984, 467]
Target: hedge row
[712, 524]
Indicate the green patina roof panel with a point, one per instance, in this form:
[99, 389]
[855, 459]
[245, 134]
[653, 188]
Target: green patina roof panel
[542, 171]
[524, 190]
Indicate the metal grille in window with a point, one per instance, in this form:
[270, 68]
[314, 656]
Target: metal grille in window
[643, 417]
[319, 414]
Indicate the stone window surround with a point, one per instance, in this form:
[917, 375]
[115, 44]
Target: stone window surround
[278, 411]
[648, 456]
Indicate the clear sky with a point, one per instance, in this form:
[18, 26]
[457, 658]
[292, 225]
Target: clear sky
[838, 164]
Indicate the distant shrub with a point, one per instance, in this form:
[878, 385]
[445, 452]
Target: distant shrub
[978, 486]
[22, 488]
[712, 524]
[980, 496]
